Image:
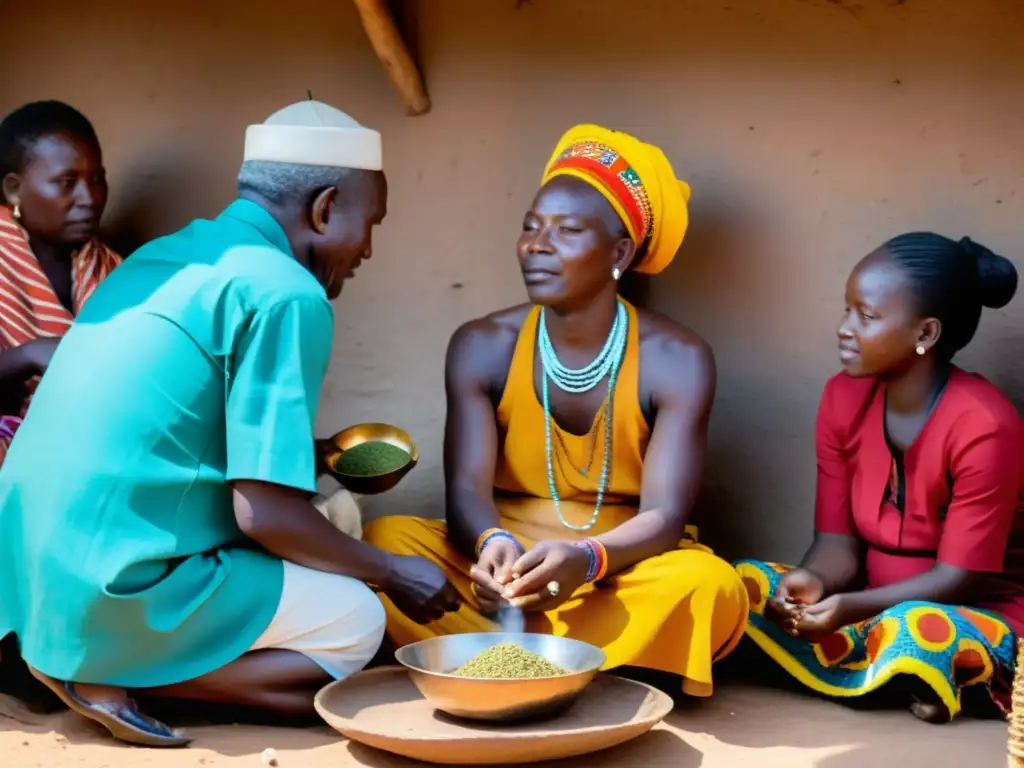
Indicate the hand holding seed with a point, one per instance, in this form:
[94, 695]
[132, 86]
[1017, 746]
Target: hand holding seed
[492, 572]
[797, 589]
[550, 562]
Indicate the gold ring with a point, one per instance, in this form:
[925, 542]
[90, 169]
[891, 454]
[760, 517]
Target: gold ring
[553, 588]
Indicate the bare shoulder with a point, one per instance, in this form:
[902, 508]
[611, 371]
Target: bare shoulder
[482, 349]
[677, 366]
[672, 346]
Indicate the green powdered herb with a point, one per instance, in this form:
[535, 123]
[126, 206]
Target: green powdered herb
[373, 457]
[508, 661]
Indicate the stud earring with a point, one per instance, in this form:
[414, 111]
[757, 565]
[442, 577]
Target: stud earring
[17, 211]
[920, 349]
[616, 273]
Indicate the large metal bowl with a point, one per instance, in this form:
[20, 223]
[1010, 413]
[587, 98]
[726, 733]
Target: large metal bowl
[431, 662]
[331, 450]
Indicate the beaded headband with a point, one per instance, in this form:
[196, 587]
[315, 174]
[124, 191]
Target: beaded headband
[616, 177]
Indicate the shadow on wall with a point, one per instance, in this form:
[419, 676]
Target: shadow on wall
[157, 182]
[709, 289]
[750, 505]
[1003, 364]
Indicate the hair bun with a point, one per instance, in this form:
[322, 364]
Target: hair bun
[997, 276]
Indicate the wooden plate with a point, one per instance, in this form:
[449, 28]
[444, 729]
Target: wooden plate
[382, 708]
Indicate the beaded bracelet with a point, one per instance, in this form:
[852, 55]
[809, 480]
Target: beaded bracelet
[591, 551]
[597, 557]
[495, 533]
[602, 555]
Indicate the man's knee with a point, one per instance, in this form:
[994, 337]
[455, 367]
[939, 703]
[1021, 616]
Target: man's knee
[342, 509]
[371, 620]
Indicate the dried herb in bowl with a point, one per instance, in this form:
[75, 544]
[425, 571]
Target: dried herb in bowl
[508, 661]
[374, 457]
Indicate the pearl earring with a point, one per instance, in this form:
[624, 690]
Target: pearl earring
[616, 273]
[17, 211]
[920, 349]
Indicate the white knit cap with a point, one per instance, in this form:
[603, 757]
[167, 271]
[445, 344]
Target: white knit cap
[313, 133]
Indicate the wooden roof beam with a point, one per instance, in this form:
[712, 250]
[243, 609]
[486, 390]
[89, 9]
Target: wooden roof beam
[387, 42]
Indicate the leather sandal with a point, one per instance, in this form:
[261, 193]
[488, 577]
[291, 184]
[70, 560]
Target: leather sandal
[121, 718]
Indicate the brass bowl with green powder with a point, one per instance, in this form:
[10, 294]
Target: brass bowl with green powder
[368, 458]
[374, 457]
[501, 676]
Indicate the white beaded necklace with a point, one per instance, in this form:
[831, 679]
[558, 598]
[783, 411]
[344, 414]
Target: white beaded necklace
[577, 381]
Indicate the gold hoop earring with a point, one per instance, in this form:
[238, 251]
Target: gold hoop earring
[920, 349]
[616, 274]
[17, 211]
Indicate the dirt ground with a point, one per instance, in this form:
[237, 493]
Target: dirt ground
[740, 726]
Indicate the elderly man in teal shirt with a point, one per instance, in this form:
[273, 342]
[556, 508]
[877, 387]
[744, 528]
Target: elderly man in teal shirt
[156, 532]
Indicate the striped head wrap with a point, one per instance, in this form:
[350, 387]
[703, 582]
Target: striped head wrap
[639, 183]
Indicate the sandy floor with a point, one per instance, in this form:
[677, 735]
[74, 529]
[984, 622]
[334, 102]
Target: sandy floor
[740, 726]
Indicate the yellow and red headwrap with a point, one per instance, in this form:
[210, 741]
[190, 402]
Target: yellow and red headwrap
[637, 180]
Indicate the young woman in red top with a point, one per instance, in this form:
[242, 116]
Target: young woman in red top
[913, 586]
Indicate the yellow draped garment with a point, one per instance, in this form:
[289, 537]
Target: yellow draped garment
[676, 612]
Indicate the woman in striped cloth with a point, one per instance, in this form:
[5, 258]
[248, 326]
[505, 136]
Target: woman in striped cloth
[54, 190]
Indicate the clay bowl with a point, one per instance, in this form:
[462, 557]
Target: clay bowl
[381, 708]
[431, 662]
[332, 449]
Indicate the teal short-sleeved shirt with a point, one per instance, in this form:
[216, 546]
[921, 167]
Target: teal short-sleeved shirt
[197, 362]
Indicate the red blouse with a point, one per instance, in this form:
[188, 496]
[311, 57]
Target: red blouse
[964, 486]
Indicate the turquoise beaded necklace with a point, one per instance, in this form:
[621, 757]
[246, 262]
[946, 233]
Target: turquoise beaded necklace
[576, 381]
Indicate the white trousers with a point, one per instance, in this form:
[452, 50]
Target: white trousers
[335, 621]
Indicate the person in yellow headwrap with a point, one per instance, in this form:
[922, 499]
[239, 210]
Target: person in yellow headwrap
[576, 436]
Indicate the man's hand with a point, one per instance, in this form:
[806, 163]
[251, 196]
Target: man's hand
[419, 589]
[549, 563]
[492, 572]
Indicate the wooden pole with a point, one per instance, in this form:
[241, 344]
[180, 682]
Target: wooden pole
[393, 53]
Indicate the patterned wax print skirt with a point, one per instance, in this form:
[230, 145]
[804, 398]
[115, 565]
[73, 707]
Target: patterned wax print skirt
[947, 648]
